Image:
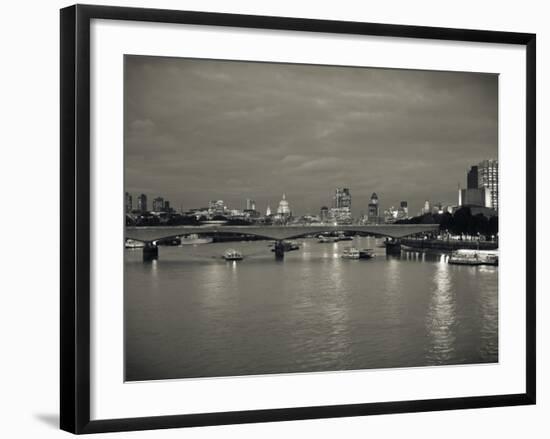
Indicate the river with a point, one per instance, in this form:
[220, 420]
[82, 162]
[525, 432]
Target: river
[191, 314]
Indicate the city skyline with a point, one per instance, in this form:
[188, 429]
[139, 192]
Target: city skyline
[197, 130]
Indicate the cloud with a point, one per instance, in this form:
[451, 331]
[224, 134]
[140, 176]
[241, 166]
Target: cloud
[201, 129]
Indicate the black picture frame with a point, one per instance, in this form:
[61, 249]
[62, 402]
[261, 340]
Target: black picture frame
[75, 217]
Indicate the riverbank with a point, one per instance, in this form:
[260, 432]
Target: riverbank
[448, 245]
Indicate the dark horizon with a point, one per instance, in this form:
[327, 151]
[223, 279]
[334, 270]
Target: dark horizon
[197, 130]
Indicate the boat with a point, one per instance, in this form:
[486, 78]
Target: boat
[195, 239]
[132, 243]
[326, 239]
[474, 257]
[343, 237]
[351, 253]
[366, 253]
[172, 242]
[232, 255]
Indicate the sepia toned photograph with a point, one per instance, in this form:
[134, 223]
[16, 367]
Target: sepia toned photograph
[295, 218]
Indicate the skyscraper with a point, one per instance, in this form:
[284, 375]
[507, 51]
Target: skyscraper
[374, 209]
[405, 208]
[473, 178]
[342, 198]
[158, 204]
[426, 208]
[250, 204]
[128, 202]
[324, 214]
[488, 178]
[142, 203]
[482, 187]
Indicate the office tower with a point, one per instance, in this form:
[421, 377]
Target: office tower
[342, 198]
[488, 178]
[128, 202]
[158, 204]
[142, 203]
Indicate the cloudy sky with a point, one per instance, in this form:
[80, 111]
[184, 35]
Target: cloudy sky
[197, 130]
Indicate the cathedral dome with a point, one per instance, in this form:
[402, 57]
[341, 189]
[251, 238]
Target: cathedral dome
[284, 208]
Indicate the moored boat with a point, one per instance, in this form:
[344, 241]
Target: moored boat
[327, 239]
[474, 257]
[351, 253]
[195, 239]
[232, 255]
[344, 237]
[132, 243]
[366, 253]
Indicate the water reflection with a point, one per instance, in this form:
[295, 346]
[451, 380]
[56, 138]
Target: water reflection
[192, 314]
[441, 316]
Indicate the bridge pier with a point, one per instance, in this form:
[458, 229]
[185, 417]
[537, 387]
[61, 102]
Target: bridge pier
[150, 252]
[279, 250]
[393, 246]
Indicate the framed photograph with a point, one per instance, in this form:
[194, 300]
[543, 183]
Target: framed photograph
[274, 218]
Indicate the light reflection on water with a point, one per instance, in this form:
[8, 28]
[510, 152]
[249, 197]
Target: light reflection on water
[192, 314]
[440, 321]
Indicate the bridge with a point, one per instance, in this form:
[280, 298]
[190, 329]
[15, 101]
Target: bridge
[152, 236]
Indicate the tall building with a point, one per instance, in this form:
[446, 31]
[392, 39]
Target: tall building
[373, 209]
[405, 208]
[250, 204]
[142, 203]
[482, 186]
[342, 198]
[167, 207]
[426, 208]
[324, 214]
[472, 178]
[128, 202]
[488, 178]
[158, 204]
[268, 211]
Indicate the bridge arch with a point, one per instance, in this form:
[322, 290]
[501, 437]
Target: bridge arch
[278, 233]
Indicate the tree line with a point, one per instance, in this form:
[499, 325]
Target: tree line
[462, 222]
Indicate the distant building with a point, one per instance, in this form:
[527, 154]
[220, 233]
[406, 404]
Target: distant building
[480, 197]
[340, 215]
[391, 215]
[482, 186]
[488, 178]
[373, 209]
[472, 178]
[268, 211]
[342, 198]
[426, 209]
[251, 213]
[142, 203]
[437, 208]
[167, 207]
[323, 215]
[158, 204]
[128, 202]
[250, 204]
[405, 208]
[216, 207]
[283, 211]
